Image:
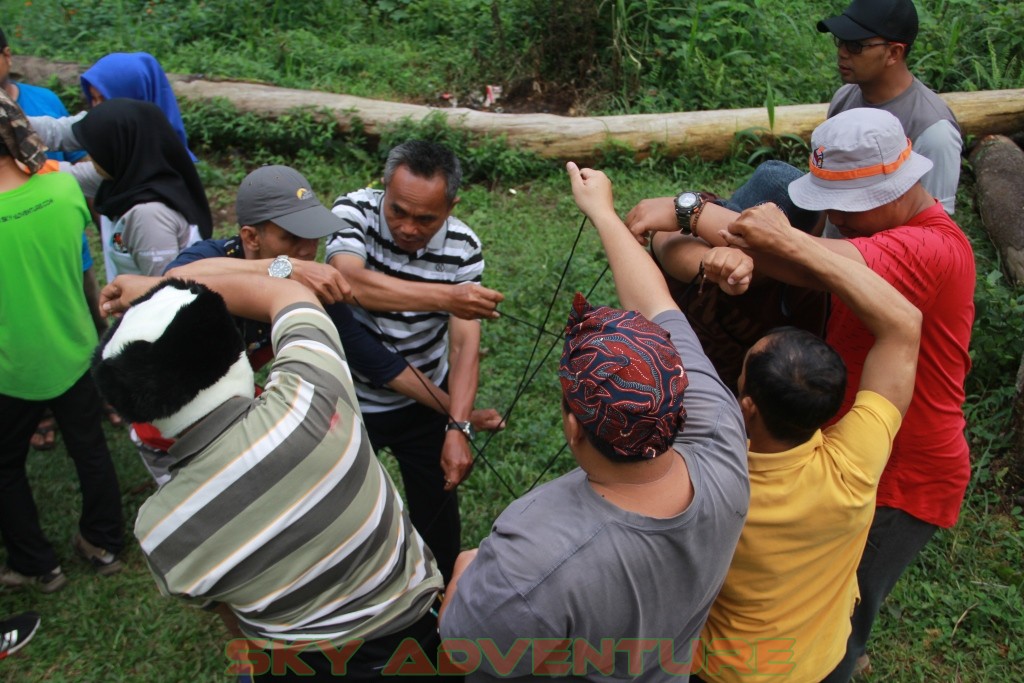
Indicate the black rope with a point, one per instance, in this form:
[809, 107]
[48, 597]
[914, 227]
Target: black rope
[508, 316]
[533, 376]
[525, 381]
[437, 400]
[527, 377]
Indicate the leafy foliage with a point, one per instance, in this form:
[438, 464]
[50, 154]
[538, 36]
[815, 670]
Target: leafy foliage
[621, 56]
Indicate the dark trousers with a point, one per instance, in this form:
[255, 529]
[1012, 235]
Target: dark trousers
[79, 416]
[415, 435]
[368, 662]
[894, 541]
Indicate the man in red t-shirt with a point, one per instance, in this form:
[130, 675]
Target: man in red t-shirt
[865, 176]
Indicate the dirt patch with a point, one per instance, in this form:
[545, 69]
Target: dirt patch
[526, 96]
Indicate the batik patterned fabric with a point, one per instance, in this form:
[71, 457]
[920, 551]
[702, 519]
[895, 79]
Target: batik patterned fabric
[622, 379]
[17, 136]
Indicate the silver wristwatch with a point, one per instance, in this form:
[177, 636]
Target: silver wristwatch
[687, 204]
[464, 427]
[280, 267]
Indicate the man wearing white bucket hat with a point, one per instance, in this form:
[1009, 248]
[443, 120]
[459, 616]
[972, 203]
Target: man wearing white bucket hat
[865, 175]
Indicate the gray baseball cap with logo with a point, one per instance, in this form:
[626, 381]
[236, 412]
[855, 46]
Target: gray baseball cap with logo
[283, 195]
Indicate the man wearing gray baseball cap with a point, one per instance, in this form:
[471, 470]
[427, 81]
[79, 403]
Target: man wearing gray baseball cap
[864, 173]
[283, 195]
[281, 222]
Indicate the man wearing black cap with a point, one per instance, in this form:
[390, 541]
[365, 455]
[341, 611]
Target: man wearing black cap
[873, 38]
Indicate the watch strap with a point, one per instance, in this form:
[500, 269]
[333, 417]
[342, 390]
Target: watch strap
[464, 427]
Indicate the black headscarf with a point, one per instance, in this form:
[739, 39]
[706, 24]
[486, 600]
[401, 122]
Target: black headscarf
[134, 143]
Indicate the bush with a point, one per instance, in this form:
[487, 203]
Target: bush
[611, 56]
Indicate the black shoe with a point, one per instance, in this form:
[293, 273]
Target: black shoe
[16, 632]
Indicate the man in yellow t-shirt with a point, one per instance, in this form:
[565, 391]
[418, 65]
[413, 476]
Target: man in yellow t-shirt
[784, 611]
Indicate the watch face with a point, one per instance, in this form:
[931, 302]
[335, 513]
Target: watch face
[687, 200]
[280, 267]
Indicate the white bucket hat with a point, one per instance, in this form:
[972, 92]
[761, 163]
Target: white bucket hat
[861, 159]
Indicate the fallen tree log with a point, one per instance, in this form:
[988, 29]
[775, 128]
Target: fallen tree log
[707, 134]
[999, 169]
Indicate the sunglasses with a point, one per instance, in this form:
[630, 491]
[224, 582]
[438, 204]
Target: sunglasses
[855, 47]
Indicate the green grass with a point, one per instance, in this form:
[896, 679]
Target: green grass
[957, 614]
[627, 56]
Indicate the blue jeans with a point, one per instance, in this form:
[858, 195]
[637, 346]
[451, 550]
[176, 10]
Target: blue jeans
[770, 183]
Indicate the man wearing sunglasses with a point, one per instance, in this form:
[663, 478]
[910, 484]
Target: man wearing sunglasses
[873, 39]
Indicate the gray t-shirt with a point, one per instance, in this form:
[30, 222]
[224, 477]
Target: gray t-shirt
[930, 125]
[563, 563]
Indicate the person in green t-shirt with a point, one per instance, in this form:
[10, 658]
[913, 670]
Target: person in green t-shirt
[47, 337]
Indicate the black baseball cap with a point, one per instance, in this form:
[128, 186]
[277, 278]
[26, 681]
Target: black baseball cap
[894, 20]
[283, 195]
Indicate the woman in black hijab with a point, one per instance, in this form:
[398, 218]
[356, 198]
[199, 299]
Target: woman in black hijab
[152, 199]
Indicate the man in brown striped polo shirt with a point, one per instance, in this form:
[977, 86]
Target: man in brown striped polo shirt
[277, 513]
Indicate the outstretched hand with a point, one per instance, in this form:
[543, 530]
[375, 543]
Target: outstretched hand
[117, 296]
[329, 285]
[486, 420]
[728, 268]
[471, 301]
[652, 215]
[591, 189]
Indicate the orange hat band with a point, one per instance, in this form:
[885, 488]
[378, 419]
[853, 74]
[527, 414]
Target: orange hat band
[866, 172]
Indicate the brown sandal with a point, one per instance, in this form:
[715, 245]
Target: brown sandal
[45, 437]
[112, 415]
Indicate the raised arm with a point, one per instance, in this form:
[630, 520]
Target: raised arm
[247, 296]
[56, 133]
[638, 282]
[891, 364]
[328, 284]
[718, 226]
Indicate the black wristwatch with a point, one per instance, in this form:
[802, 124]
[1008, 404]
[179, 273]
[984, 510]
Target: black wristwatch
[688, 204]
[464, 427]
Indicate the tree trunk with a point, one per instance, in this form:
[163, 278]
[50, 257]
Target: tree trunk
[707, 134]
[999, 170]
[1016, 454]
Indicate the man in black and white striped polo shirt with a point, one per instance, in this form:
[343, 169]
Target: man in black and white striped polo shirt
[415, 272]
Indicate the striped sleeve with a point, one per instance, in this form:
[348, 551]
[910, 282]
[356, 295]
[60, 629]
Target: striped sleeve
[357, 210]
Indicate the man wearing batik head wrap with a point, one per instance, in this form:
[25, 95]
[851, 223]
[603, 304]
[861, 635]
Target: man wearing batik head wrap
[633, 546]
[46, 339]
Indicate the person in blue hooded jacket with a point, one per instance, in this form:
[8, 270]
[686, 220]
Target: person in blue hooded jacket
[135, 76]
